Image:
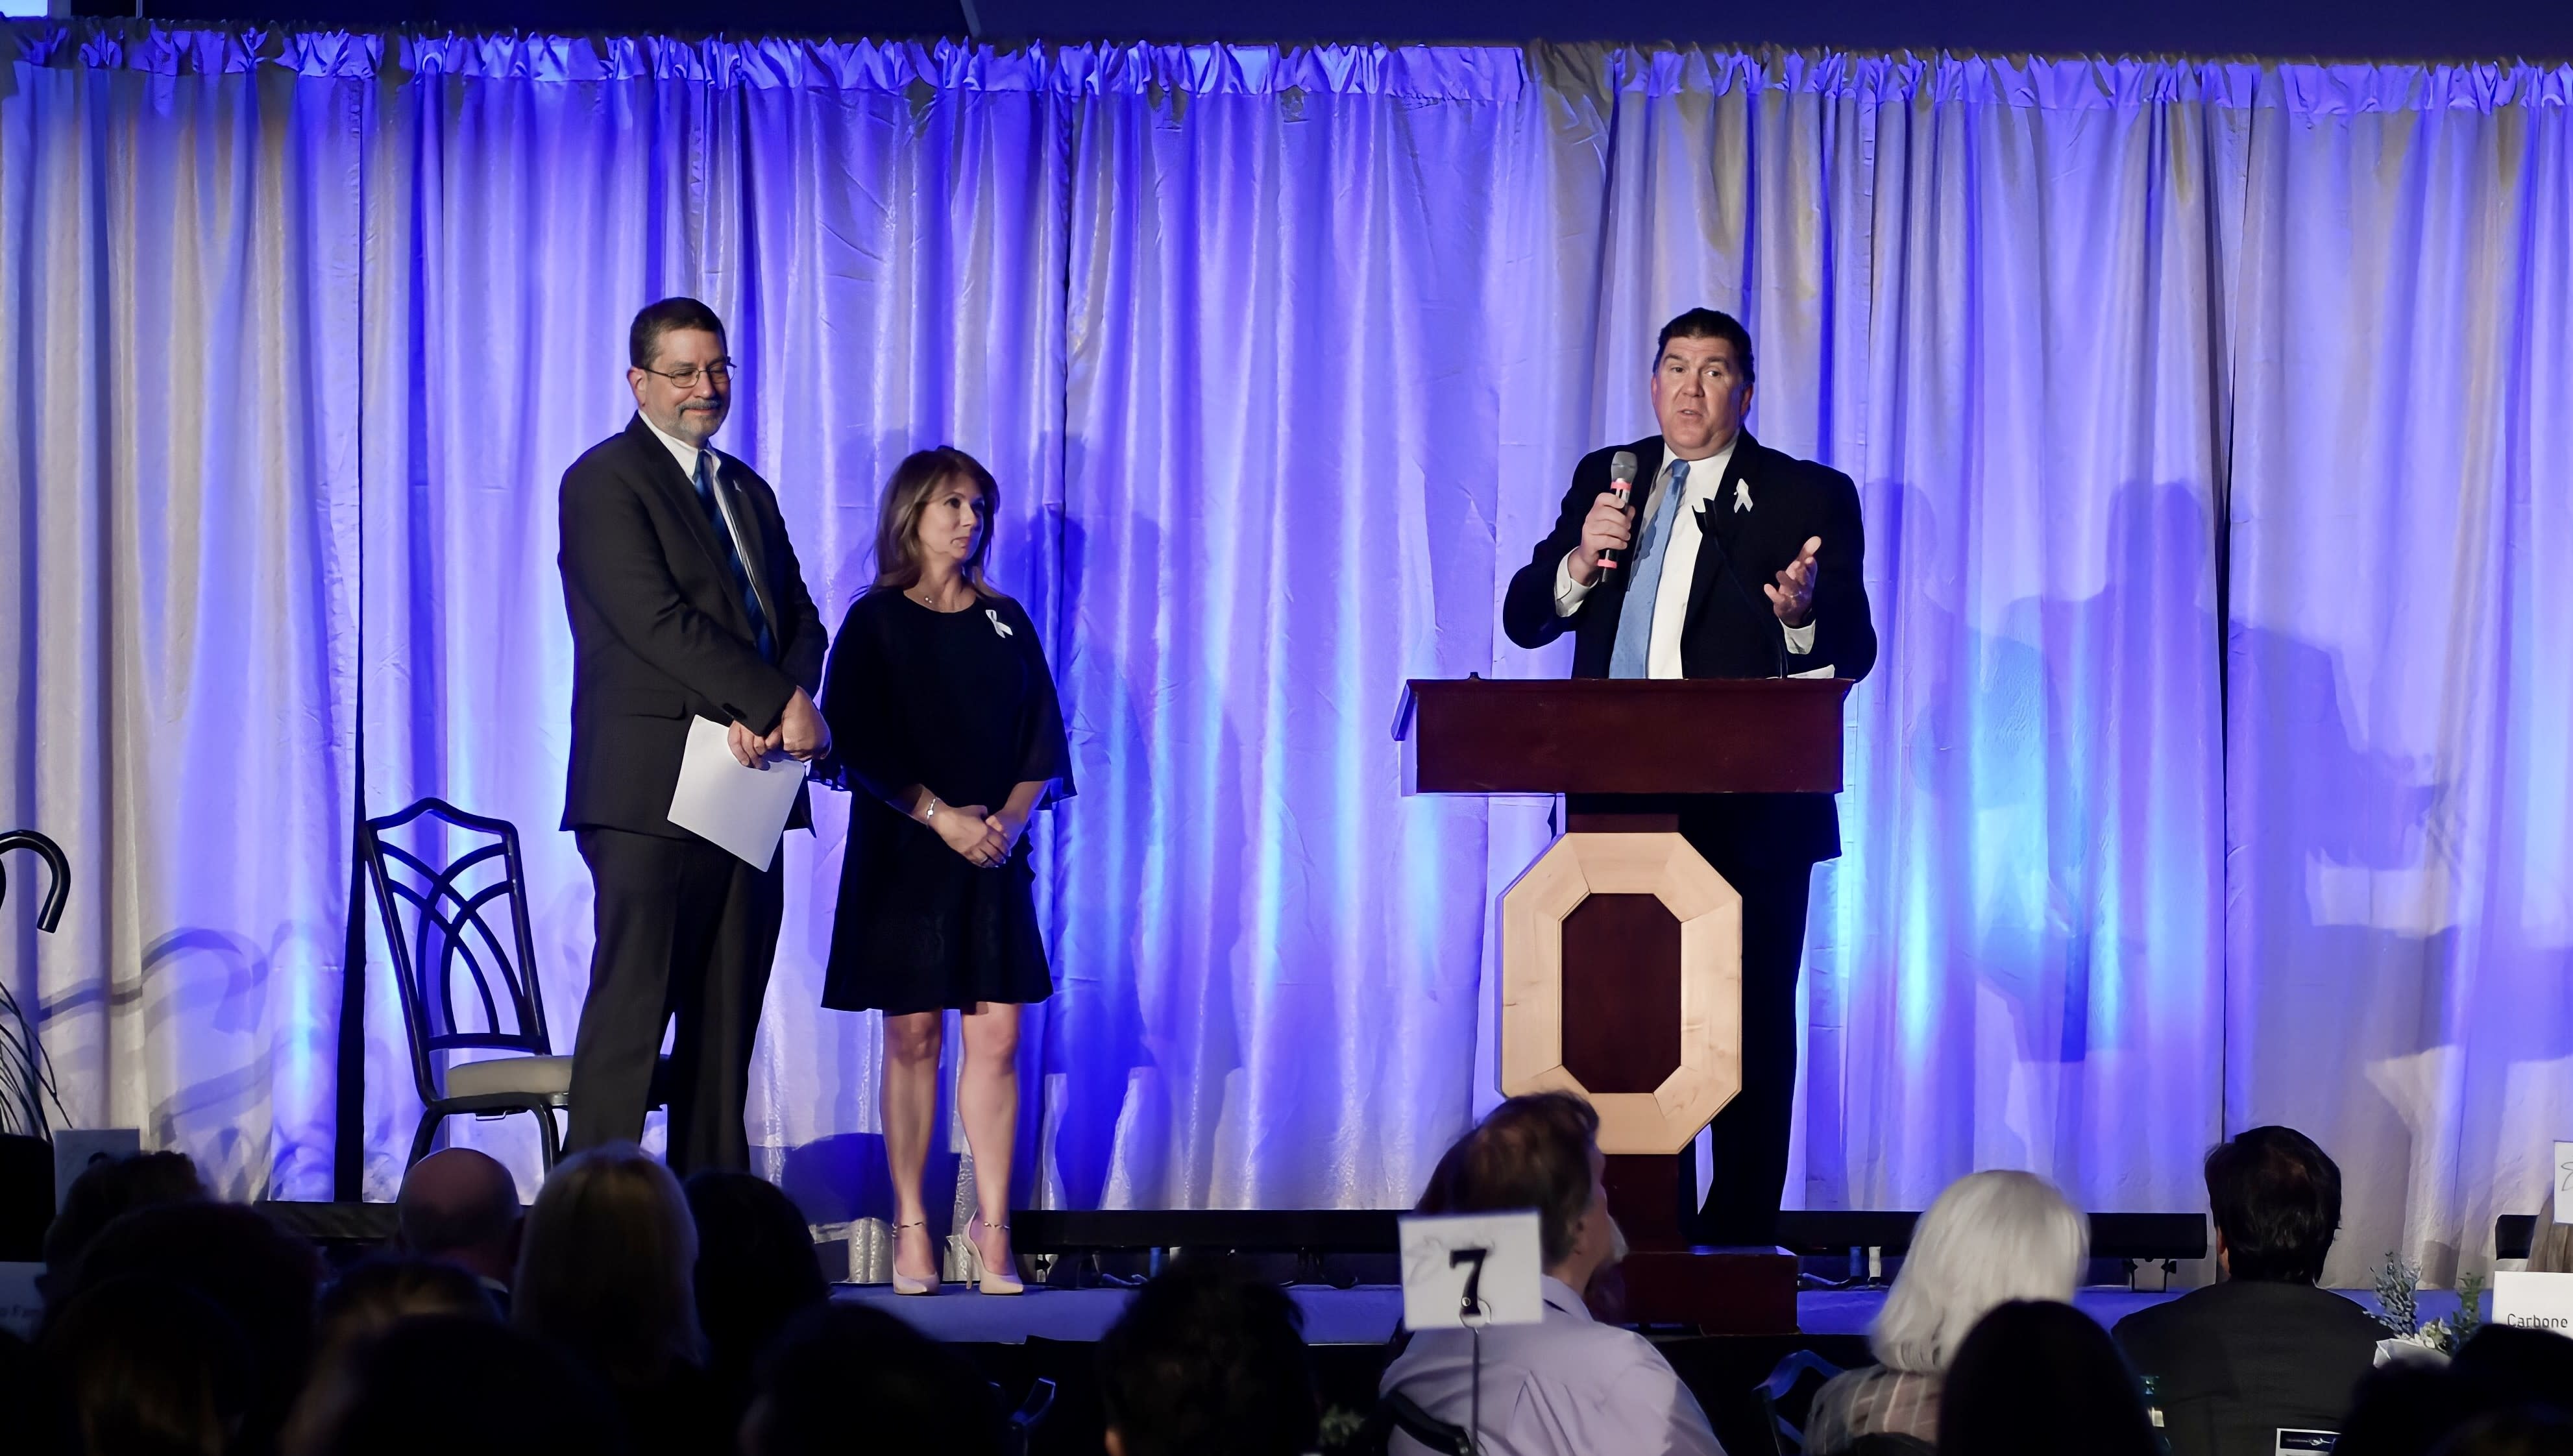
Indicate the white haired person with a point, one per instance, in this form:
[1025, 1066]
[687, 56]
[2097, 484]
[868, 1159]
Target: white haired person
[1991, 1238]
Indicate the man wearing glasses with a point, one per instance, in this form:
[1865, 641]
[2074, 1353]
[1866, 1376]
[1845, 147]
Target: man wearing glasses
[686, 601]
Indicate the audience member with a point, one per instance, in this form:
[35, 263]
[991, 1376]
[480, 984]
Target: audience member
[462, 1206]
[2505, 1366]
[32, 1397]
[148, 1366]
[2403, 1409]
[112, 1187]
[442, 1385]
[2262, 1350]
[1991, 1239]
[2041, 1379]
[369, 1298]
[756, 1270]
[2412, 1409]
[262, 1277]
[606, 1272]
[919, 1398]
[1207, 1361]
[2527, 1431]
[1567, 1386]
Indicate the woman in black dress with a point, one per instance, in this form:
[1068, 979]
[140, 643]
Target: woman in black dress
[945, 719]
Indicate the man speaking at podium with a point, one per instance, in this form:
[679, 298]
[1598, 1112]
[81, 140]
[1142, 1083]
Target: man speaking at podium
[1725, 558]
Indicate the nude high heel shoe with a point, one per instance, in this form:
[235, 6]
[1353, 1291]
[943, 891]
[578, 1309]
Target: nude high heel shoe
[986, 1279]
[903, 1283]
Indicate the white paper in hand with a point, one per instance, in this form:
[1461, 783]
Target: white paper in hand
[742, 810]
[1469, 1271]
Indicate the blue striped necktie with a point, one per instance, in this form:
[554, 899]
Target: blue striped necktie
[705, 481]
[1633, 654]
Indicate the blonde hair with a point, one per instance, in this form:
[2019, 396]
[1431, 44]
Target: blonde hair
[906, 496]
[607, 1268]
[2550, 1247]
[1991, 1238]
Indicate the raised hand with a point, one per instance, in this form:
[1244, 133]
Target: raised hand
[1793, 598]
[1608, 527]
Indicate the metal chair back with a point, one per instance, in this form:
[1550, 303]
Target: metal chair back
[451, 893]
[1787, 1398]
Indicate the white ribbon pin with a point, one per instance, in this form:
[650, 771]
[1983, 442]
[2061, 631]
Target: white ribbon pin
[1741, 497]
[998, 625]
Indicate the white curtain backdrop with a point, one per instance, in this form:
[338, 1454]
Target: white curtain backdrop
[2205, 418]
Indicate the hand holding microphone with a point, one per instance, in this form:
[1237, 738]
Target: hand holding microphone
[1610, 525]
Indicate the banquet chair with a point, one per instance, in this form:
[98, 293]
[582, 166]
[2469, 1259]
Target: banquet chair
[451, 893]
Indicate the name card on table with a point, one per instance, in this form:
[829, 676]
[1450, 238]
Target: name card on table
[2534, 1301]
[1470, 1271]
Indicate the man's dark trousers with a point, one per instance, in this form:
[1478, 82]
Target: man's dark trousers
[1751, 1135]
[686, 932]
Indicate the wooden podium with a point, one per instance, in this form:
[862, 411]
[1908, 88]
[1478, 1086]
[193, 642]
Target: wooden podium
[1621, 948]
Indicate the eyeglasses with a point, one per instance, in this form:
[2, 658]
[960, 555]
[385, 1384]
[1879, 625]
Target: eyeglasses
[686, 376]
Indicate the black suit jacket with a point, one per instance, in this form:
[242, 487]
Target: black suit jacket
[1731, 630]
[2236, 1362]
[658, 633]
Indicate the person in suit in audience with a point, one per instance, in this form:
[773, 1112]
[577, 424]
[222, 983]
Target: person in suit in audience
[1991, 1238]
[687, 602]
[2264, 1350]
[1568, 1385]
[1732, 560]
[2037, 1378]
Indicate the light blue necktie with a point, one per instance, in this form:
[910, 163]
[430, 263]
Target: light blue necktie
[1633, 654]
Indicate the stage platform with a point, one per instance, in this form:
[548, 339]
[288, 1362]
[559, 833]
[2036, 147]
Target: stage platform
[1366, 1315]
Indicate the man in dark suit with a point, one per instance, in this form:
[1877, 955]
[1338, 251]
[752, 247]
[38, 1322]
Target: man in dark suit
[2236, 1363]
[1732, 560]
[687, 602]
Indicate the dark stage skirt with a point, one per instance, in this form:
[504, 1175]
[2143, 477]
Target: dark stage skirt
[922, 928]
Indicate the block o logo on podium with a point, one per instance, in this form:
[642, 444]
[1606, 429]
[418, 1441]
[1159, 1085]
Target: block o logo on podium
[1622, 981]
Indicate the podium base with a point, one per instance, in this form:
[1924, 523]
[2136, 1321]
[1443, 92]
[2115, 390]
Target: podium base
[1729, 1291]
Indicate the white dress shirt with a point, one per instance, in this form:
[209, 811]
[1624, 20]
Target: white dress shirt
[1569, 1386]
[1679, 562]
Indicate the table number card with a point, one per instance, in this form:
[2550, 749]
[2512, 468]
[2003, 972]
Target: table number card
[1471, 1270]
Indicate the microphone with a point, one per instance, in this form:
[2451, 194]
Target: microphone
[1621, 479]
